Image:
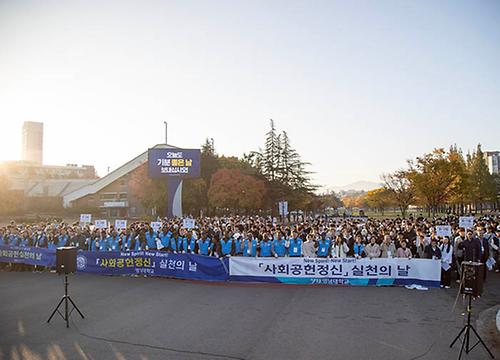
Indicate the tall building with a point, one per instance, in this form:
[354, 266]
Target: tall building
[492, 159]
[33, 142]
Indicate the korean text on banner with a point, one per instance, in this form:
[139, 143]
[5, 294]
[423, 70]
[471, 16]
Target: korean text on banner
[85, 218]
[443, 230]
[30, 256]
[345, 271]
[188, 223]
[101, 224]
[156, 225]
[466, 222]
[153, 263]
[120, 224]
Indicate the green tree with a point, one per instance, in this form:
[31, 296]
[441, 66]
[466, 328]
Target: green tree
[209, 161]
[194, 195]
[292, 171]
[330, 199]
[272, 153]
[482, 183]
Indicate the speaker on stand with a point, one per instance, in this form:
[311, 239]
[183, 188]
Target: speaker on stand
[66, 264]
[471, 286]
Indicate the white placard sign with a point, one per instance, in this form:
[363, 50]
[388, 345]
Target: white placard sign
[188, 223]
[156, 225]
[443, 230]
[283, 208]
[120, 224]
[466, 222]
[85, 218]
[101, 224]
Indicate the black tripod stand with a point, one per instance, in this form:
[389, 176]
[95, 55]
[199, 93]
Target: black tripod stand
[466, 330]
[65, 298]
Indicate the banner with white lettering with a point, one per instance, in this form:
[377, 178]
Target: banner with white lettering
[345, 271]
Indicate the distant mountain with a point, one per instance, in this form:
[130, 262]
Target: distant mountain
[357, 186]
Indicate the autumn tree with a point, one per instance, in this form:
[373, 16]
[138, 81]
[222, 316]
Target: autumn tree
[400, 188]
[331, 199]
[10, 201]
[460, 188]
[230, 188]
[433, 179]
[379, 199]
[152, 193]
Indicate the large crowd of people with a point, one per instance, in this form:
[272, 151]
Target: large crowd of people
[320, 236]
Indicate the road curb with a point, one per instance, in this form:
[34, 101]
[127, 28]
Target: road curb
[488, 327]
[498, 320]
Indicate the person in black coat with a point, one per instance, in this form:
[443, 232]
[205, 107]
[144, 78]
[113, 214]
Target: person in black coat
[471, 247]
[432, 250]
[485, 248]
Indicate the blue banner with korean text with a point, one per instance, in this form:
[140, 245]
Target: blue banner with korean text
[29, 256]
[344, 271]
[153, 263]
[289, 270]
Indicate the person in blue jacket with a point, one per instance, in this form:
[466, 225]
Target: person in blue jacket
[205, 245]
[137, 244]
[266, 245]
[189, 243]
[295, 246]
[51, 241]
[128, 240]
[226, 245]
[176, 242]
[250, 246]
[113, 241]
[323, 246]
[279, 245]
[151, 239]
[63, 238]
[40, 239]
[94, 243]
[358, 247]
[238, 244]
[14, 239]
[25, 240]
[165, 236]
[104, 242]
[124, 240]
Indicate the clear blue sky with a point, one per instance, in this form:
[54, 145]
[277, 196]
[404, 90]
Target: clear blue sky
[359, 86]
